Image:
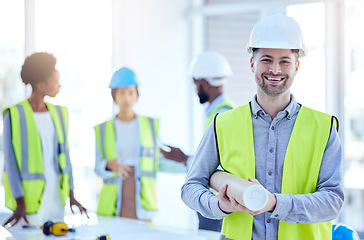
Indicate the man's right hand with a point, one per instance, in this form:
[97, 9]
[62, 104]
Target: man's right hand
[18, 214]
[122, 170]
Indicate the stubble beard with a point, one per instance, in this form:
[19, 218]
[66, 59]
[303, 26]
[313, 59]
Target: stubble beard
[270, 90]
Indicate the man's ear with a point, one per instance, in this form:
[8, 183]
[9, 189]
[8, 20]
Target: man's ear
[297, 65]
[252, 64]
[205, 84]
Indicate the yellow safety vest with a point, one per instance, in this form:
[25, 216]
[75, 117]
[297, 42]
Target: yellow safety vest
[311, 131]
[28, 153]
[226, 103]
[149, 164]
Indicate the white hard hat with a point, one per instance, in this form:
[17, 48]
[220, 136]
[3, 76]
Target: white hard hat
[210, 66]
[277, 31]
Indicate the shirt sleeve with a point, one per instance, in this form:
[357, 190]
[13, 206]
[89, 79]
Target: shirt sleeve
[324, 204]
[11, 166]
[195, 192]
[100, 165]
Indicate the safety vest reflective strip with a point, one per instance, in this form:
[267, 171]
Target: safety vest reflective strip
[63, 153]
[234, 134]
[25, 136]
[106, 143]
[226, 103]
[149, 164]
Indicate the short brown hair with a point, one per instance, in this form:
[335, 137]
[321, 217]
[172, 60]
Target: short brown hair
[293, 50]
[38, 67]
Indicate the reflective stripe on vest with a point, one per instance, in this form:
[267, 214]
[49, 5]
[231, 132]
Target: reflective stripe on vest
[29, 156]
[226, 103]
[311, 131]
[149, 164]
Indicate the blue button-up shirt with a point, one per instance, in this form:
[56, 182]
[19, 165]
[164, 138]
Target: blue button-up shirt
[271, 137]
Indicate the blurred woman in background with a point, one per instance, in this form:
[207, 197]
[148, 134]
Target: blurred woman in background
[128, 156]
[38, 173]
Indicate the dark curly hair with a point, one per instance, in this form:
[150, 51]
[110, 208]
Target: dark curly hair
[38, 67]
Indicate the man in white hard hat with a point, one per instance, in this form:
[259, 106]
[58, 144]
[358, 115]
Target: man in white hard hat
[294, 152]
[209, 72]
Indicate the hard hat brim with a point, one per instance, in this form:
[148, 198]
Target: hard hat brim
[302, 51]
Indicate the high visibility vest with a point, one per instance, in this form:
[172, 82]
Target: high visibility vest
[226, 104]
[29, 156]
[311, 131]
[149, 164]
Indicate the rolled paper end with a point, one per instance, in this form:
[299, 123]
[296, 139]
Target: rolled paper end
[255, 197]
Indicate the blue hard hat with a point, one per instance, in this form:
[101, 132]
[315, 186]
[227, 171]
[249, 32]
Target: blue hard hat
[124, 77]
[344, 232]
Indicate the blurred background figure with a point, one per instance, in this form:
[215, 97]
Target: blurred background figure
[343, 232]
[38, 173]
[209, 72]
[127, 155]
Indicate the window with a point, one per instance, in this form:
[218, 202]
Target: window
[12, 57]
[354, 114]
[310, 80]
[79, 35]
[11, 52]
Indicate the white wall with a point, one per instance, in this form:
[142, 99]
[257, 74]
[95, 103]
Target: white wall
[152, 39]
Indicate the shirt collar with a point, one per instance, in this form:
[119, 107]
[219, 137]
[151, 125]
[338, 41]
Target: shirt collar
[292, 108]
[214, 104]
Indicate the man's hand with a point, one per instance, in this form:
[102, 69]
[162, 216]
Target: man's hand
[272, 200]
[73, 201]
[229, 204]
[175, 154]
[18, 214]
[122, 170]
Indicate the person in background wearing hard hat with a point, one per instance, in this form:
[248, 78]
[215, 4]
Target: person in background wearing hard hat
[294, 152]
[209, 72]
[344, 232]
[38, 173]
[127, 155]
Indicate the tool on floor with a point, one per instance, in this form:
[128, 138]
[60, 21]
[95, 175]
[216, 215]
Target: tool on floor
[104, 237]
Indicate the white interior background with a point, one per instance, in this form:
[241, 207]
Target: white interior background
[157, 39]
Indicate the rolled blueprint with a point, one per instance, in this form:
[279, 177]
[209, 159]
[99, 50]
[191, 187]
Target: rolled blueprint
[248, 194]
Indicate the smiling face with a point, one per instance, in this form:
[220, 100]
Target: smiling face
[274, 70]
